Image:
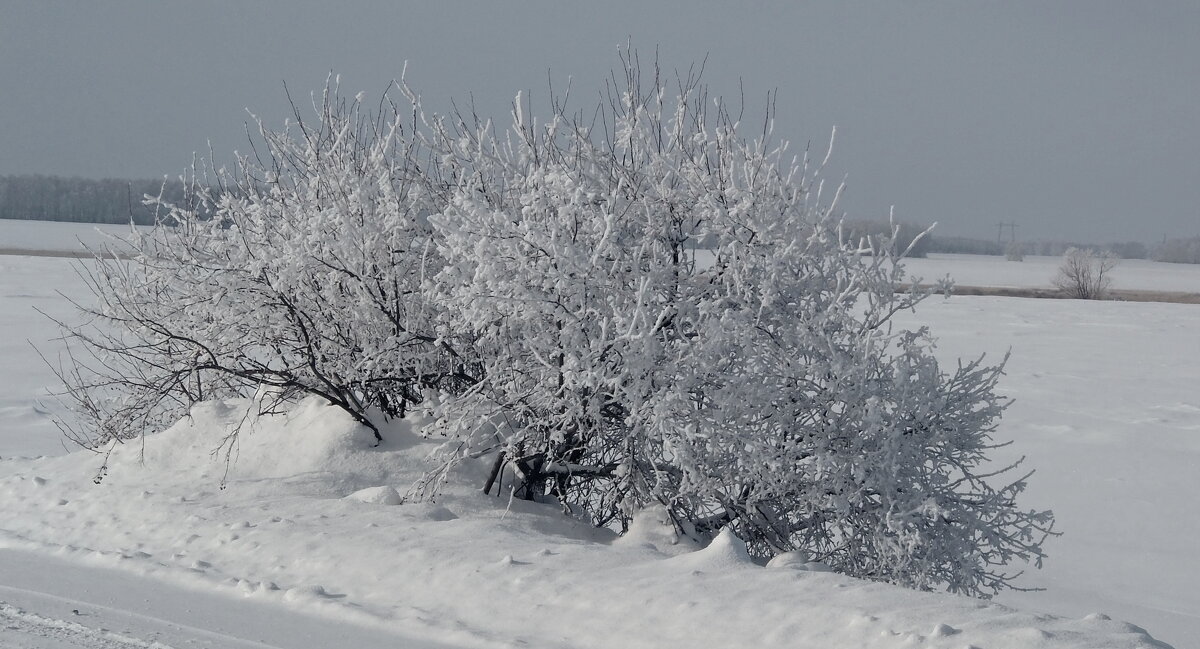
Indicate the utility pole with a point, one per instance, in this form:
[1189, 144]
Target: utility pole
[1012, 231]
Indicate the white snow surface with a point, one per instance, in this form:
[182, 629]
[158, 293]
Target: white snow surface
[59, 237]
[74, 602]
[493, 573]
[30, 287]
[296, 525]
[1039, 272]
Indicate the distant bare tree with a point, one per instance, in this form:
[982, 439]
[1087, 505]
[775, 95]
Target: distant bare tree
[1086, 274]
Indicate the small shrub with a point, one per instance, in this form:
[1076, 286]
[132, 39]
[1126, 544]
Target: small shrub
[1014, 252]
[1086, 274]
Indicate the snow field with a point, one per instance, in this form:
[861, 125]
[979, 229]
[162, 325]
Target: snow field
[470, 570]
[58, 237]
[1039, 272]
[1105, 409]
[29, 285]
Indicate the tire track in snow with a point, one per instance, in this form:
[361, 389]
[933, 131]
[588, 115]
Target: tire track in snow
[20, 629]
[150, 609]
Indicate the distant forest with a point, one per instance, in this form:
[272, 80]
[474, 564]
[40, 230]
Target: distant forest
[964, 245]
[83, 200]
[1181, 251]
[932, 242]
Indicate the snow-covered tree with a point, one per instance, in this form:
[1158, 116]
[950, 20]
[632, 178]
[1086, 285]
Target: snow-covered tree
[667, 313]
[300, 272]
[637, 306]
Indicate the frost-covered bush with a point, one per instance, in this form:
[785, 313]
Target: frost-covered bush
[301, 273]
[635, 307]
[1086, 274]
[668, 313]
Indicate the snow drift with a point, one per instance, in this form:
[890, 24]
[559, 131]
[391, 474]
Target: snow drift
[282, 517]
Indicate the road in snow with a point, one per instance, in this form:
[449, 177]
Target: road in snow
[48, 603]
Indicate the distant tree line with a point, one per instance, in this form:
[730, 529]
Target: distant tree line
[969, 246]
[964, 246]
[1123, 249]
[1179, 251]
[84, 200]
[879, 234]
[113, 200]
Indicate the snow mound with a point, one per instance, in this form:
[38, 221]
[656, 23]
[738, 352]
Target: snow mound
[652, 526]
[302, 593]
[384, 495]
[314, 446]
[796, 560]
[725, 552]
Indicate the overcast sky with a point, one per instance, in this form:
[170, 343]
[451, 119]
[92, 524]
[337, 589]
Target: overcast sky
[1072, 119]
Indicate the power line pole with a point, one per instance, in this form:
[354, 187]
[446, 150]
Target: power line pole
[1012, 231]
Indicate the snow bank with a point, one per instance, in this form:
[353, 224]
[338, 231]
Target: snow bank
[314, 445]
[284, 522]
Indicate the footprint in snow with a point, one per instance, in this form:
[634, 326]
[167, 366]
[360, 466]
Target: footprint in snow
[249, 588]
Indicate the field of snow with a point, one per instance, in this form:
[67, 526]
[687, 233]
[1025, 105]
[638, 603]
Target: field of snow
[59, 237]
[297, 535]
[1107, 411]
[1039, 272]
[29, 285]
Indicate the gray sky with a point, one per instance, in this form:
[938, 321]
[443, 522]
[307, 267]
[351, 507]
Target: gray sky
[1073, 119]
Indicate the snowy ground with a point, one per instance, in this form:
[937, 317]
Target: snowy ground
[1039, 272]
[89, 603]
[29, 285]
[18, 236]
[1106, 409]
